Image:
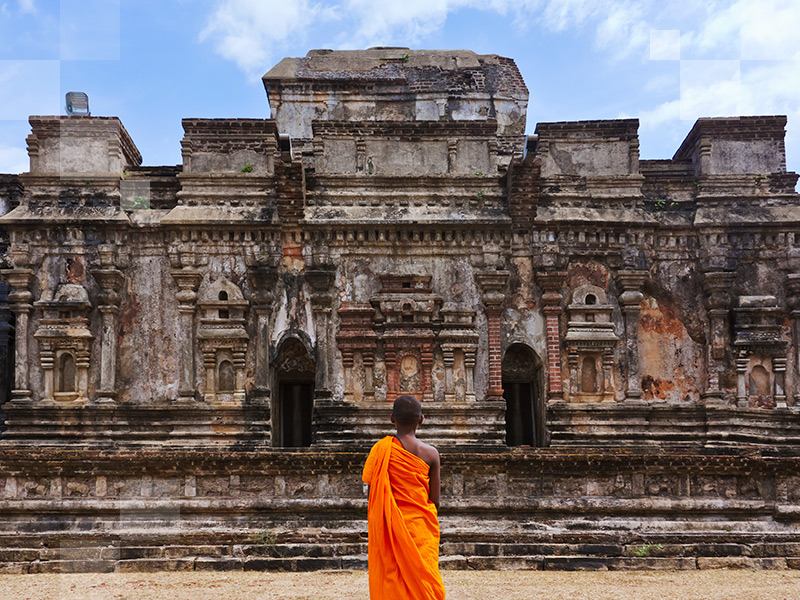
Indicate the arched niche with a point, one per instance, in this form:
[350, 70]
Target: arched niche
[293, 404]
[523, 392]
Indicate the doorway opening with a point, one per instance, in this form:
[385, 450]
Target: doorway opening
[293, 407]
[522, 390]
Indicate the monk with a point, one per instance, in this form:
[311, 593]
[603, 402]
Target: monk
[403, 477]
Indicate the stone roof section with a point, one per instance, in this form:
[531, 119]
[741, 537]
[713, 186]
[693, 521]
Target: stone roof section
[444, 71]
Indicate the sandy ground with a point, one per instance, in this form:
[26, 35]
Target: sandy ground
[461, 585]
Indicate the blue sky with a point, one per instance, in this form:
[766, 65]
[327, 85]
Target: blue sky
[153, 62]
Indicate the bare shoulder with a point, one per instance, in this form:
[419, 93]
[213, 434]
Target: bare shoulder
[428, 453]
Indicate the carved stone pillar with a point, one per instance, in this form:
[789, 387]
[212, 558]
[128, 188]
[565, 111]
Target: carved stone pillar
[630, 284]
[187, 279]
[742, 362]
[110, 280]
[793, 301]
[321, 282]
[551, 284]
[21, 280]
[6, 352]
[262, 283]
[717, 285]
[779, 374]
[469, 368]
[493, 283]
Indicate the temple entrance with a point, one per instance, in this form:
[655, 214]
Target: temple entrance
[294, 402]
[522, 390]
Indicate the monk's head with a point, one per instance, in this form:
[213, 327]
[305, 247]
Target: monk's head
[407, 412]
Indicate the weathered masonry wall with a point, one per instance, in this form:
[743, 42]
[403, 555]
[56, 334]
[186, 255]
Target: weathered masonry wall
[559, 304]
[133, 511]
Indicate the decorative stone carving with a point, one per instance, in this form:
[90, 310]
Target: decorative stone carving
[716, 285]
[65, 343]
[760, 352]
[493, 284]
[223, 340]
[263, 280]
[590, 342]
[110, 280]
[357, 341]
[551, 283]
[187, 278]
[407, 314]
[630, 298]
[321, 282]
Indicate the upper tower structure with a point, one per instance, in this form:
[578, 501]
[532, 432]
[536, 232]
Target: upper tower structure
[398, 84]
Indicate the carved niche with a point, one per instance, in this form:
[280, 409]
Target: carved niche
[65, 343]
[409, 332]
[590, 342]
[760, 352]
[408, 316]
[223, 340]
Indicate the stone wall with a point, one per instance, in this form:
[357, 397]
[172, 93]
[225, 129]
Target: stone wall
[232, 331]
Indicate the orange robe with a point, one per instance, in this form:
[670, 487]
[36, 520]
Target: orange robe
[403, 526]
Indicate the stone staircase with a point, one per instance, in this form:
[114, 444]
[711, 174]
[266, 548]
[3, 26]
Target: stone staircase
[466, 544]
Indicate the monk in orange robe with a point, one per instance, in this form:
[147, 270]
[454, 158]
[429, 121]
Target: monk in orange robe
[403, 477]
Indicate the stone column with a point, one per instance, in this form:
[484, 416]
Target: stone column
[469, 373]
[21, 280]
[448, 359]
[793, 301]
[5, 351]
[110, 280]
[551, 283]
[493, 283]
[187, 279]
[630, 284]
[742, 362]
[321, 282]
[263, 281]
[779, 375]
[717, 285]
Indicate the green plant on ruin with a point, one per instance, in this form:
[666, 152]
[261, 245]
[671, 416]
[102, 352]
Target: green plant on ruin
[759, 179]
[664, 205]
[139, 203]
[644, 550]
[480, 195]
[265, 537]
[248, 168]
[478, 173]
[405, 57]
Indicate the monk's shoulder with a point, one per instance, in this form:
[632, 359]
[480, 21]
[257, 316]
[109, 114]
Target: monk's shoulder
[428, 453]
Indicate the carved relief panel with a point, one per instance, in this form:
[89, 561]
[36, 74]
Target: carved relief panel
[223, 340]
[65, 343]
[760, 352]
[590, 341]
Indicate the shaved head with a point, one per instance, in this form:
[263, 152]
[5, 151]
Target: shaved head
[407, 410]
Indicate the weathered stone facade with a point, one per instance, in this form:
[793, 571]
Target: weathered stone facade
[392, 230]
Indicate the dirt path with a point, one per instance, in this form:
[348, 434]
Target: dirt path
[461, 585]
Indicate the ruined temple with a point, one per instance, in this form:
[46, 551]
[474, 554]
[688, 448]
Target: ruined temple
[194, 358]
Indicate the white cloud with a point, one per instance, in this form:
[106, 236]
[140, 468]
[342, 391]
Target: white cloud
[29, 87]
[27, 6]
[710, 88]
[248, 31]
[251, 32]
[13, 159]
[772, 30]
[665, 44]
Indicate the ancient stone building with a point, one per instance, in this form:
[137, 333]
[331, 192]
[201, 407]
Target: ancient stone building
[195, 358]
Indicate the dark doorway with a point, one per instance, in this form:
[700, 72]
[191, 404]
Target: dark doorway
[522, 390]
[294, 405]
[297, 402]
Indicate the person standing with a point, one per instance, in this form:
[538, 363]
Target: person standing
[403, 475]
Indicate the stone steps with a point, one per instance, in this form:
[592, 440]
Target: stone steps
[347, 549]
